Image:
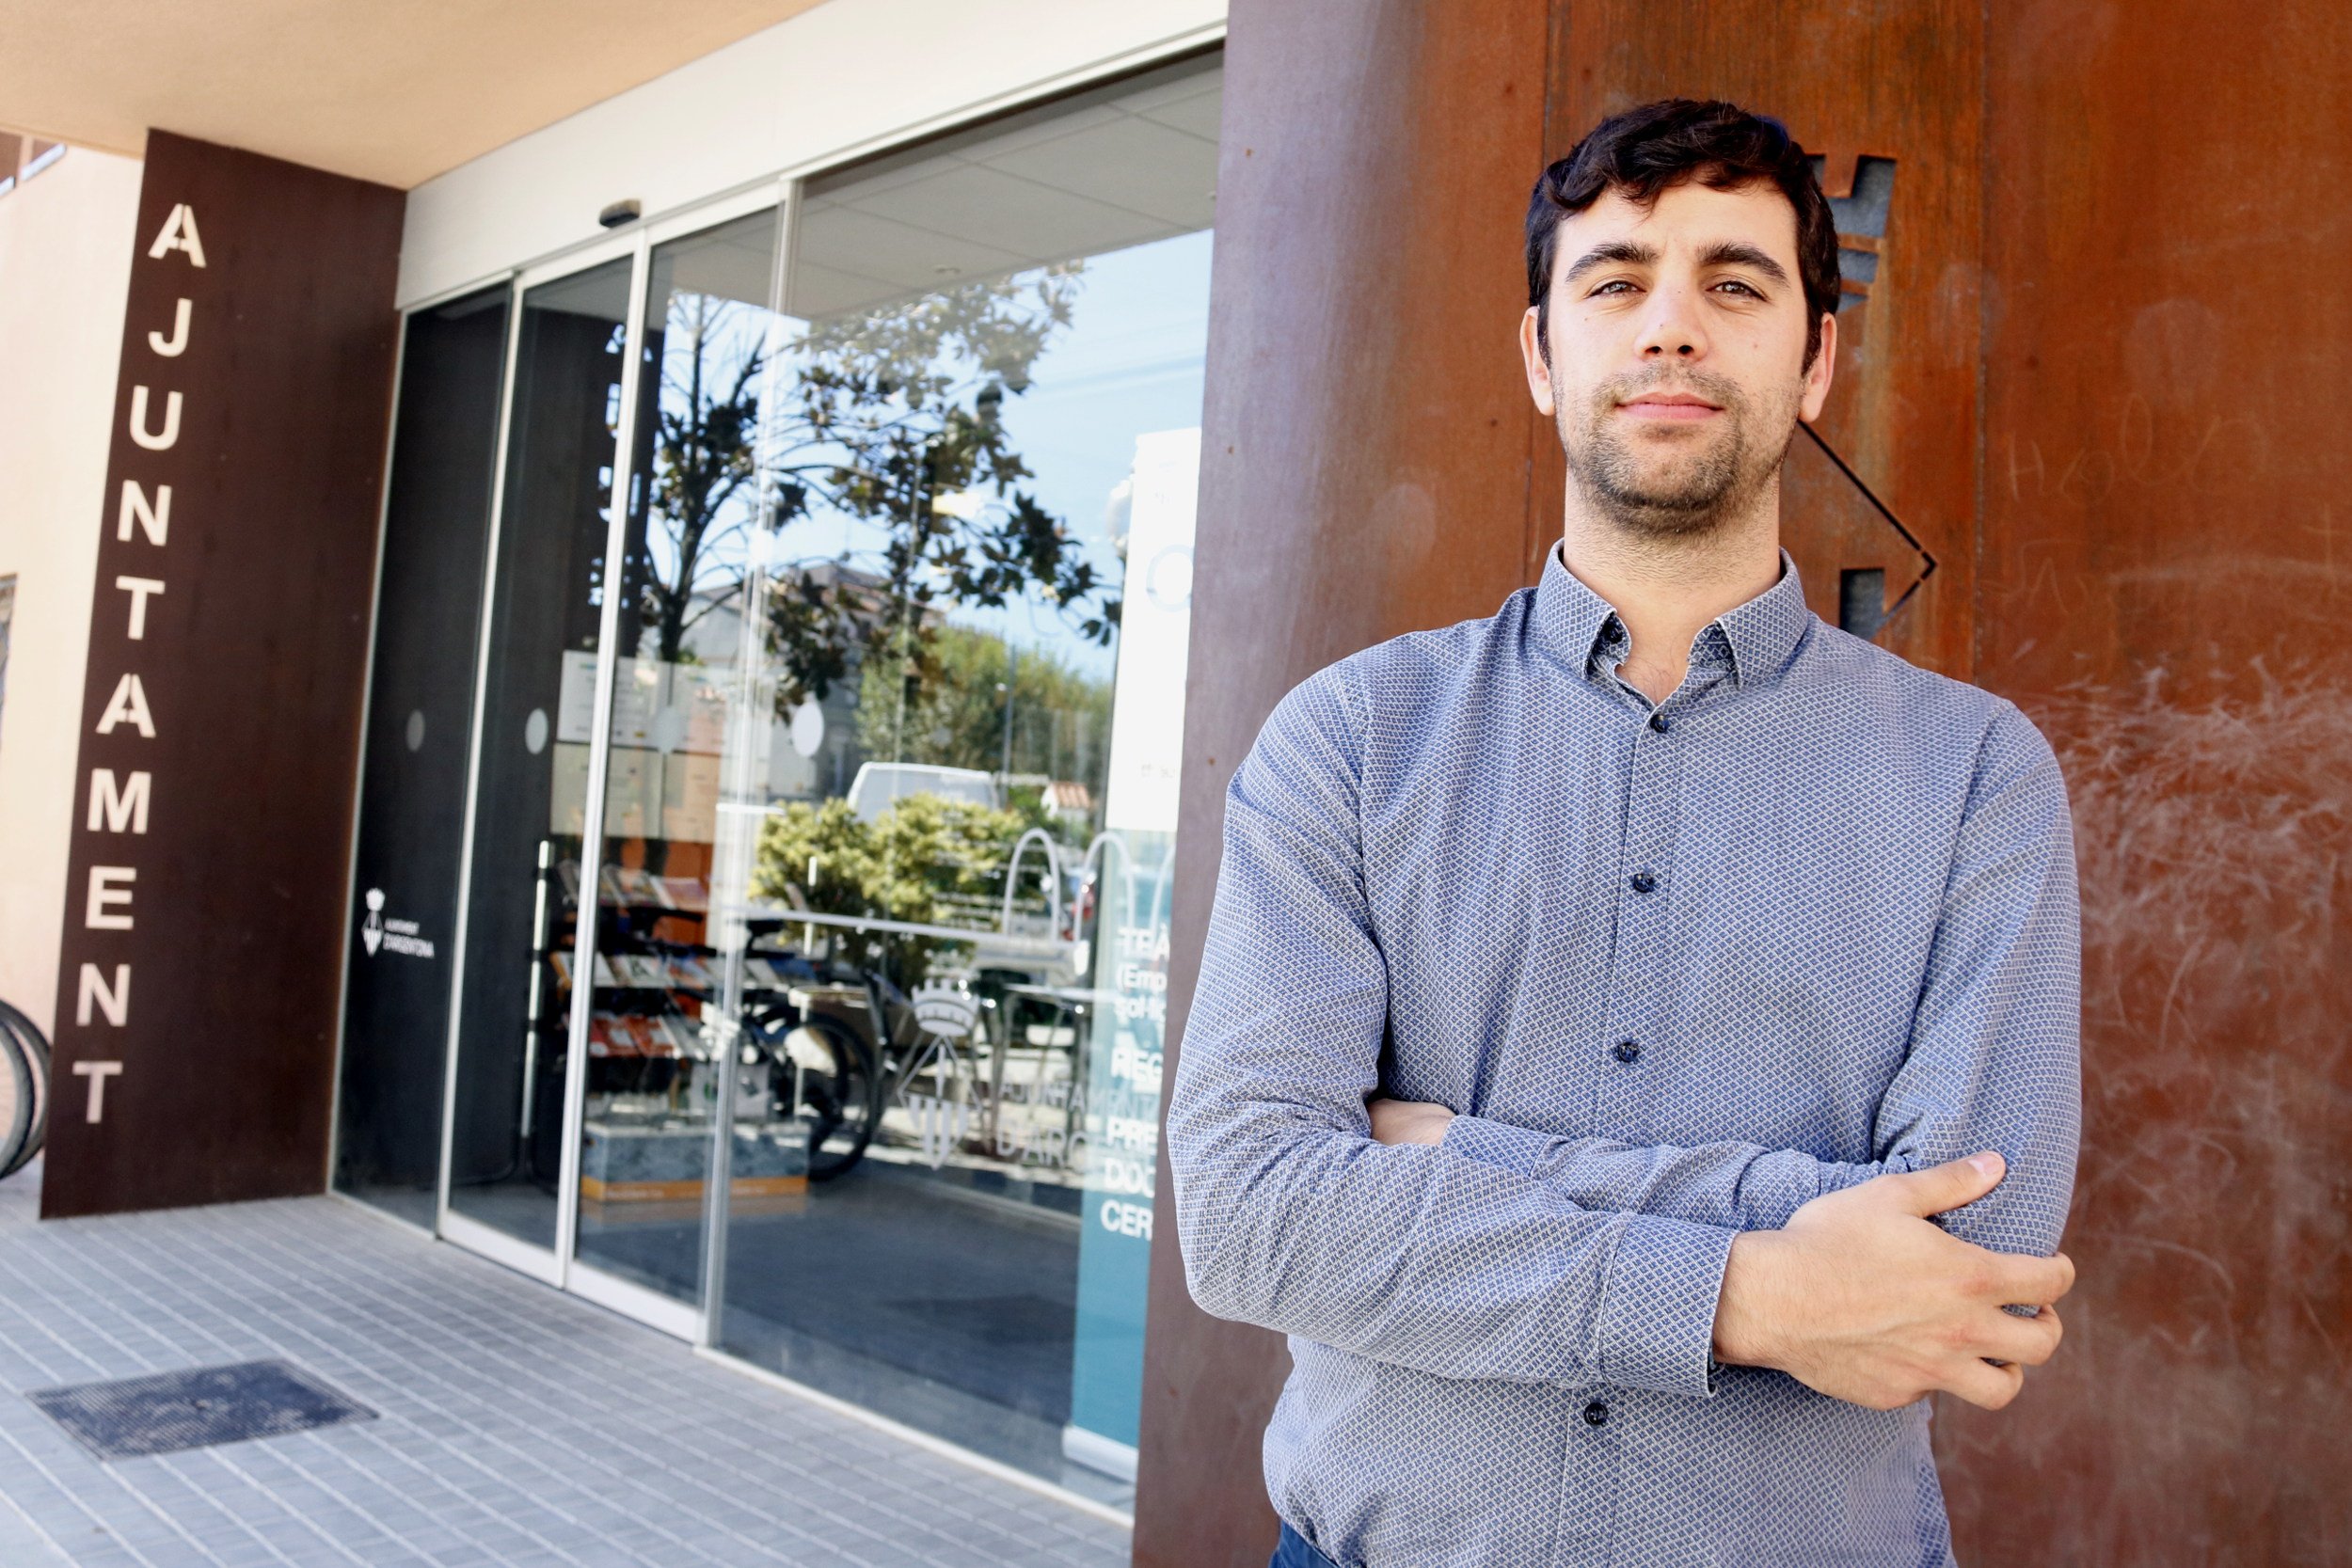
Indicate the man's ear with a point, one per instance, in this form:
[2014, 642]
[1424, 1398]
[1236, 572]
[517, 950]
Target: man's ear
[1816, 376]
[1538, 374]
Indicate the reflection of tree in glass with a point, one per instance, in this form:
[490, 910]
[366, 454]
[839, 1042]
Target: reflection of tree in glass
[893, 418]
[925, 861]
[704, 460]
[955, 716]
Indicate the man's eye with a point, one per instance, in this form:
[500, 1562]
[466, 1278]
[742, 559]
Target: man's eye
[1613, 286]
[1735, 283]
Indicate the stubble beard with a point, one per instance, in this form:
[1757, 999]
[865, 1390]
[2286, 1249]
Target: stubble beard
[1677, 497]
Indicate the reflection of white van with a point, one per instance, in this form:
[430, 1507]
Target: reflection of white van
[880, 783]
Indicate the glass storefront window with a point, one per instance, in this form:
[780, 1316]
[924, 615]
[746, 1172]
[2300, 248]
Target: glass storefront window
[977, 582]
[822, 814]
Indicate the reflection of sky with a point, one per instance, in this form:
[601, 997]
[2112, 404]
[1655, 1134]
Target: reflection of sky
[1130, 362]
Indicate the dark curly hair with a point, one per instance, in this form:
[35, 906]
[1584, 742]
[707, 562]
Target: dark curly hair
[1647, 151]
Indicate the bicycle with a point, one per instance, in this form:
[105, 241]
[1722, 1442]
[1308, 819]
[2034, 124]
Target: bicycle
[846, 1076]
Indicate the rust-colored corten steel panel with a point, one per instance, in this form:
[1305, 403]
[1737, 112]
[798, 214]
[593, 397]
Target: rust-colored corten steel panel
[205, 897]
[2168, 461]
[2093, 375]
[1367, 454]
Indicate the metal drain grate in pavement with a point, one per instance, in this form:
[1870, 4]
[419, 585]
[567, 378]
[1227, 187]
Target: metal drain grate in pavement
[195, 1409]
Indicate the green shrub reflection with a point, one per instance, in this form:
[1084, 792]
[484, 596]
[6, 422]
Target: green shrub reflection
[927, 860]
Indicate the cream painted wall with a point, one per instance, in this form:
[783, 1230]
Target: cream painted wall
[65, 266]
[835, 80]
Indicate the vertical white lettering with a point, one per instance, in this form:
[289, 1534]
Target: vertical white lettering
[139, 589]
[154, 521]
[113, 1001]
[146, 437]
[110, 885]
[116, 808]
[177, 344]
[97, 1072]
[128, 706]
[178, 234]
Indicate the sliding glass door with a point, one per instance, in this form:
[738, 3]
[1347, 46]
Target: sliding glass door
[403, 956]
[803, 774]
[693, 522]
[544, 656]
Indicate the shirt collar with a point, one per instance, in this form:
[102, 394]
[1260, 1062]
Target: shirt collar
[1570, 621]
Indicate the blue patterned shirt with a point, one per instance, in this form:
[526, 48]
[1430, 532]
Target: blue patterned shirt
[1678, 968]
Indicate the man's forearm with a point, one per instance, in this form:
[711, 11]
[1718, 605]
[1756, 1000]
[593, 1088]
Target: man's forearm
[1730, 1185]
[1860, 1298]
[1424, 1258]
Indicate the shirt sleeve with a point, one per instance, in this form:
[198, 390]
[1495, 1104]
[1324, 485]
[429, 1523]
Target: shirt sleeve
[1994, 1060]
[1288, 1213]
[1738, 1186]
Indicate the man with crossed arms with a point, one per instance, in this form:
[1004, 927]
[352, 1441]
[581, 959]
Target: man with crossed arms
[1635, 1052]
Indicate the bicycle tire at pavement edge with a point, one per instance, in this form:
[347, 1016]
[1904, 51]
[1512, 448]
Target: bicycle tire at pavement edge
[29, 1052]
[16, 1101]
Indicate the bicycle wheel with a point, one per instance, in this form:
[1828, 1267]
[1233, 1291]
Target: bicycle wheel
[16, 1101]
[36, 1049]
[840, 1085]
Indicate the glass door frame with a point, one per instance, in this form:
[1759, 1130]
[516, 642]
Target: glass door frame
[559, 1266]
[544, 1265]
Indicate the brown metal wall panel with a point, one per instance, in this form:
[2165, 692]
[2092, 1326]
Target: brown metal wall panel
[1367, 453]
[2093, 374]
[2167, 459]
[223, 909]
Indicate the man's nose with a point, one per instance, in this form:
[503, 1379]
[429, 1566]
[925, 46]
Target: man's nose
[1672, 330]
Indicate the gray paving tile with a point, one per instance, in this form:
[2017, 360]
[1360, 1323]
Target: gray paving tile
[21, 1543]
[519, 1427]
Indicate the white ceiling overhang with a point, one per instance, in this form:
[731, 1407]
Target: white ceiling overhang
[395, 91]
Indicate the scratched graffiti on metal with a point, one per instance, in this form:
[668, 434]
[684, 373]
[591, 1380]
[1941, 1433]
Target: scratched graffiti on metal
[2212, 814]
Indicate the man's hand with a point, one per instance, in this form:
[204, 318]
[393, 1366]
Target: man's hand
[1408, 1121]
[1863, 1299]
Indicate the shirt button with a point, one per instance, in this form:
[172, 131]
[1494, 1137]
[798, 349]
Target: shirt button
[1644, 881]
[1660, 723]
[1595, 1414]
[1626, 1050]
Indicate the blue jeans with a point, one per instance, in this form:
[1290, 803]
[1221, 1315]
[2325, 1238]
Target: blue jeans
[1295, 1551]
